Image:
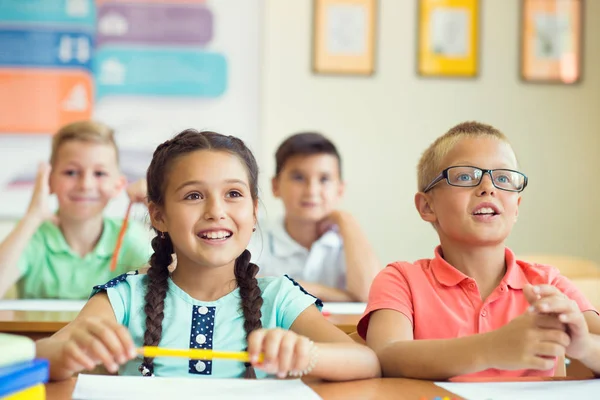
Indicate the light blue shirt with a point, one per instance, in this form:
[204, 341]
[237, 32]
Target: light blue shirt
[277, 254]
[190, 323]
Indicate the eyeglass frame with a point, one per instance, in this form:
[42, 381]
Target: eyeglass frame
[444, 175]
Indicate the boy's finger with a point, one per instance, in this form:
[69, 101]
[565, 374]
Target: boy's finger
[546, 290]
[530, 294]
[555, 304]
[549, 321]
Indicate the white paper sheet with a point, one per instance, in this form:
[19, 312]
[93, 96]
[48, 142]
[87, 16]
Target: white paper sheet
[91, 387]
[345, 308]
[545, 390]
[42, 305]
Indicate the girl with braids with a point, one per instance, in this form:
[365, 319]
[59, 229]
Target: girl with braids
[202, 200]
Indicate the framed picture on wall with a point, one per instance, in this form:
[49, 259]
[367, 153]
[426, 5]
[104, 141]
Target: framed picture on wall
[551, 41]
[344, 37]
[448, 38]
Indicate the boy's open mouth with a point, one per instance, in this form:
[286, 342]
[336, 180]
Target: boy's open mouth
[485, 211]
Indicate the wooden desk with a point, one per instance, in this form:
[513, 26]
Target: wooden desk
[40, 324]
[34, 324]
[380, 389]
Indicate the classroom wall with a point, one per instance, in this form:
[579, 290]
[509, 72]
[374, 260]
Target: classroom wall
[382, 124]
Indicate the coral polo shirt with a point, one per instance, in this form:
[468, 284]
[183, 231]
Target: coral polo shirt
[443, 303]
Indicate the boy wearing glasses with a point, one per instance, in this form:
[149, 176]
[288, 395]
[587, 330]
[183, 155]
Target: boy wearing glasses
[468, 311]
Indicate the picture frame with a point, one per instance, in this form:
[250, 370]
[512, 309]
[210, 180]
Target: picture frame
[551, 41]
[448, 38]
[344, 37]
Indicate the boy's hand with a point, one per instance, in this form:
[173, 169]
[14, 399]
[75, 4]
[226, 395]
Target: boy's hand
[138, 192]
[530, 341]
[283, 350]
[332, 220]
[96, 341]
[552, 302]
[39, 206]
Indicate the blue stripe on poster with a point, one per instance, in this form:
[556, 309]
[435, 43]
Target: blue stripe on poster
[50, 11]
[159, 72]
[45, 48]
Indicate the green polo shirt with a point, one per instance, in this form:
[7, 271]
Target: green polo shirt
[51, 270]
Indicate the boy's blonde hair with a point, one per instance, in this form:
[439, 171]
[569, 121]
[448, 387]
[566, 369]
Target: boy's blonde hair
[430, 163]
[83, 131]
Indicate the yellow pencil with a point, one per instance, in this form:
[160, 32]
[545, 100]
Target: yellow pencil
[196, 354]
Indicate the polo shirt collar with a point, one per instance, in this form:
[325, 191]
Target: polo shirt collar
[57, 244]
[447, 275]
[285, 246]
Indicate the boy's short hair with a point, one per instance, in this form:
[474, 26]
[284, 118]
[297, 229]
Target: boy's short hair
[83, 131]
[304, 143]
[429, 164]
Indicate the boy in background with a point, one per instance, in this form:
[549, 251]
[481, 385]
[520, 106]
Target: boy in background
[63, 254]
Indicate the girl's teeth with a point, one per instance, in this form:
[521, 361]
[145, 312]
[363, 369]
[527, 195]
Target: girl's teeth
[216, 235]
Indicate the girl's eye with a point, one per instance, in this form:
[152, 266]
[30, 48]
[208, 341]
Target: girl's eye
[193, 196]
[99, 174]
[70, 172]
[234, 193]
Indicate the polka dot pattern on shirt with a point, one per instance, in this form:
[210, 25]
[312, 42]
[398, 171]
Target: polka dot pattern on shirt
[201, 337]
[113, 282]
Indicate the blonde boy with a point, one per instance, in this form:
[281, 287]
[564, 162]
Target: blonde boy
[63, 254]
[467, 310]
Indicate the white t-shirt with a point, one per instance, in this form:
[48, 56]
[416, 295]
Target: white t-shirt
[276, 253]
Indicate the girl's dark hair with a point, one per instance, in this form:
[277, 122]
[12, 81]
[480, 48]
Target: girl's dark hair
[305, 144]
[165, 154]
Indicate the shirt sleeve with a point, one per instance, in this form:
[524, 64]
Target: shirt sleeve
[571, 291]
[291, 300]
[119, 291]
[390, 290]
[136, 247]
[32, 254]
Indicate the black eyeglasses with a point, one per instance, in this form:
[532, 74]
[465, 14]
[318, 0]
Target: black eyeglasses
[468, 176]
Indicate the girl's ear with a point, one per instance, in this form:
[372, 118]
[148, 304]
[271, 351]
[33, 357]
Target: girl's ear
[157, 217]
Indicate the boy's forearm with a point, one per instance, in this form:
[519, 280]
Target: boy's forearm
[358, 361]
[326, 293]
[592, 359]
[438, 359]
[362, 265]
[11, 249]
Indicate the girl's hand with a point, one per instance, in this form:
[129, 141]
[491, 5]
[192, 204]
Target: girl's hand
[96, 341]
[284, 351]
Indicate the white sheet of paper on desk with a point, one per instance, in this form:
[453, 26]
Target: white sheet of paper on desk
[345, 308]
[42, 305]
[92, 387]
[544, 390]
